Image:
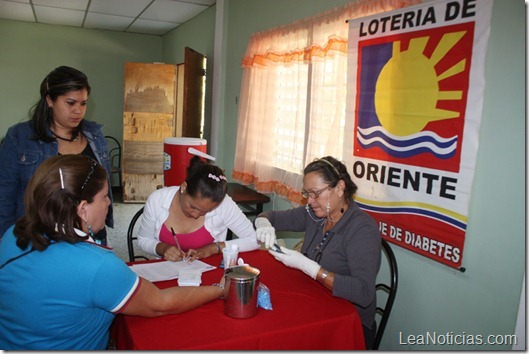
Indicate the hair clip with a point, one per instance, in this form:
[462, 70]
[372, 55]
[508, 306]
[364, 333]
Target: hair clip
[62, 179]
[216, 178]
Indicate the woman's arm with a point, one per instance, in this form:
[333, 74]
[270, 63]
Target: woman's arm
[9, 184]
[287, 220]
[148, 237]
[363, 254]
[234, 219]
[149, 301]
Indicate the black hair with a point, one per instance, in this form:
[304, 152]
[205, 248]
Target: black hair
[206, 180]
[53, 193]
[58, 82]
[332, 171]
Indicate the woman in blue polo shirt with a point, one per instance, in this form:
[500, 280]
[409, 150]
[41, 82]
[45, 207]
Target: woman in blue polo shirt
[59, 290]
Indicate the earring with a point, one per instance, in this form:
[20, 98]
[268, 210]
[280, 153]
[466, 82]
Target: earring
[91, 231]
[93, 235]
[328, 207]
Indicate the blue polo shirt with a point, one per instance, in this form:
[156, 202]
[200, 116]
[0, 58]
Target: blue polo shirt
[63, 298]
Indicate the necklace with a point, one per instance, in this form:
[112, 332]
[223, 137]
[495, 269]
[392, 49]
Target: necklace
[317, 252]
[75, 137]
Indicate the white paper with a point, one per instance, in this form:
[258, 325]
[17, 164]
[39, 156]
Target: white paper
[189, 277]
[160, 271]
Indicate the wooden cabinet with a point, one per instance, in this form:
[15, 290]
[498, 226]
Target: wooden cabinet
[160, 101]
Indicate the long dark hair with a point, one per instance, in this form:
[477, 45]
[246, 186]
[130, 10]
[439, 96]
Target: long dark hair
[206, 180]
[333, 171]
[52, 197]
[57, 83]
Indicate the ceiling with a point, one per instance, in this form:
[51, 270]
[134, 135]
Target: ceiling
[153, 17]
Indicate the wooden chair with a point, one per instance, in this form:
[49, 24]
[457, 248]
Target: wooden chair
[390, 290]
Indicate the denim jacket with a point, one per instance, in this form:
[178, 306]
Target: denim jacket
[20, 156]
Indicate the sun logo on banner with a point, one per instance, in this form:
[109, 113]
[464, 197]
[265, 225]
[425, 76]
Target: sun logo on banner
[412, 96]
[407, 89]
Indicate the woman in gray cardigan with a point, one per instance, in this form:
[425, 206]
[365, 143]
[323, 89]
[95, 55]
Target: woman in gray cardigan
[341, 246]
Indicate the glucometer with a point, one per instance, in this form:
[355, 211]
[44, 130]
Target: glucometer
[275, 247]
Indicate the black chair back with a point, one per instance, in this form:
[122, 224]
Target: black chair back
[131, 237]
[391, 291]
[115, 156]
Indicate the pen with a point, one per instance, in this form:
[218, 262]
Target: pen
[177, 243]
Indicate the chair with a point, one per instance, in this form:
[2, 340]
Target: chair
[390, 290]
[131, 236]
[115, 156]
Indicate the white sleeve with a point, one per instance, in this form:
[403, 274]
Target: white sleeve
[234, 219]
[148, 235]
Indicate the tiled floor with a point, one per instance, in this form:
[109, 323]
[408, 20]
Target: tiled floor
[123, 213]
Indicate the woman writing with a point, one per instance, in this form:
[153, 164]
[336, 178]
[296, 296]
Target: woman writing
[198, 214]
[56, 127]
[58, 289]
[341, 246]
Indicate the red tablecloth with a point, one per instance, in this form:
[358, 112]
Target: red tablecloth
[305, 316]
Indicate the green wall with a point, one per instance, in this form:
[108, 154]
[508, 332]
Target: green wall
[432, 297]
[29, 51]
[197, 34]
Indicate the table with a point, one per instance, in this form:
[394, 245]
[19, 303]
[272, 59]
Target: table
[250, 201]
[247, 197]
[305, 316]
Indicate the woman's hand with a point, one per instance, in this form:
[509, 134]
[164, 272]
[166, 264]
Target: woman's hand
[193, 254]
[294, 259]
[222, 284]
[205, 251]
[265, 232]
[173, 254]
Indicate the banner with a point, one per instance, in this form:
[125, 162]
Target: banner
[414, 105]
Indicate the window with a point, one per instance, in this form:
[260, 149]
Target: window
[293, 95]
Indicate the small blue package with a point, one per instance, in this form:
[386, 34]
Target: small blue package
[263, 297]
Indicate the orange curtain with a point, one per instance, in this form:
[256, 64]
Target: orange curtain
[292, 101]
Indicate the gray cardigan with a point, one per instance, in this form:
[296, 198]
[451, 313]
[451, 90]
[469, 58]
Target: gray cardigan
[352, 252]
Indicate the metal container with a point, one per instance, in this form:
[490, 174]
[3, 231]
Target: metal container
[241, 288]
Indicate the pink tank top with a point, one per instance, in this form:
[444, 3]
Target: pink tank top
[195, 239]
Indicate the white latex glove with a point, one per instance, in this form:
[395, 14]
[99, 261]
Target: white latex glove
[294, 259]
[265, 232]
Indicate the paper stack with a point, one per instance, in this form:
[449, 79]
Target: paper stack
[166, 270]
[189, 277]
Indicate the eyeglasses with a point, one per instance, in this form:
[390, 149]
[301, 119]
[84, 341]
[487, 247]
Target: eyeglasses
[314, 194]
[321, 246]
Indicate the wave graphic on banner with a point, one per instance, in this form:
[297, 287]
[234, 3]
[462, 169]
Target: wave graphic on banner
[407, 146]
[429, 211]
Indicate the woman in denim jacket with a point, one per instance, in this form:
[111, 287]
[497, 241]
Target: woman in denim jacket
[56, 127]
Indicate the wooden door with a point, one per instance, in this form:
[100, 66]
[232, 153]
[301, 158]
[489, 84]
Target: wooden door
[148, 118]
[194, 94]
[161, 101]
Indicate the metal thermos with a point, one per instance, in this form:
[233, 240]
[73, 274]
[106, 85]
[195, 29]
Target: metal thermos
[241, 288]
